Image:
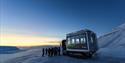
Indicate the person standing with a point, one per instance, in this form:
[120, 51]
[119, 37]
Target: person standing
[55, 51]
[59, 50]
[51, 51]
[43, 52]
[46, 51]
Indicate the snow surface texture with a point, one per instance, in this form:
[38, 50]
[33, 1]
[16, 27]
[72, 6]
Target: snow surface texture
[30, 53]
[34, 55]
[111, 51]
[113, 43]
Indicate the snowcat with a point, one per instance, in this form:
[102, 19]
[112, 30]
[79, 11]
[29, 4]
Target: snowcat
[82, 42]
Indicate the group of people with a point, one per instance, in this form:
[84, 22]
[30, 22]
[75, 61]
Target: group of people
[53, 51]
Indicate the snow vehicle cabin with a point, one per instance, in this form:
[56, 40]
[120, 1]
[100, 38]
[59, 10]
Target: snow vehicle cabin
[83, 42]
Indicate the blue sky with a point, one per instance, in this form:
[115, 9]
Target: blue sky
[55, 18]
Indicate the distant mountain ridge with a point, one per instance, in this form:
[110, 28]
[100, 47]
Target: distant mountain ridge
[8, 49]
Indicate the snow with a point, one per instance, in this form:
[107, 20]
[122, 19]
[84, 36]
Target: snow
[34, 56]
[111, 50]
[5, 57]
[120, 27]
[28, 53]
[113, 43]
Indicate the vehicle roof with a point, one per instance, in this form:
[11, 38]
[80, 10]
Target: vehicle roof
[79, 32]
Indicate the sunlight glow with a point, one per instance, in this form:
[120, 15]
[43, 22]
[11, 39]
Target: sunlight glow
[22, 40]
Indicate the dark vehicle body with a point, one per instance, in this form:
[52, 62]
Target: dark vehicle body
[82, 42]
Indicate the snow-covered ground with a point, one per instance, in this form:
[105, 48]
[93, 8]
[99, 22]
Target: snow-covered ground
[34, 56]
[27, 54]
[112, 50]
[113, 43]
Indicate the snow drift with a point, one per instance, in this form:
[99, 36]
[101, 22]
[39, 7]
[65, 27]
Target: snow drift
[113, 44]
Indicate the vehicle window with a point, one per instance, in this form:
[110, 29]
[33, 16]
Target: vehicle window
[91, 39]
[77, 40]
[83, 40]
[73, 41]
[68, 40]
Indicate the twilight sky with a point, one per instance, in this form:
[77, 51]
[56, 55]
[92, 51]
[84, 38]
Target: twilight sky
[52, 19]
